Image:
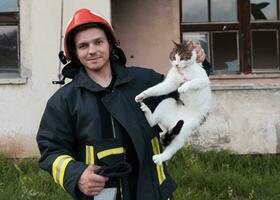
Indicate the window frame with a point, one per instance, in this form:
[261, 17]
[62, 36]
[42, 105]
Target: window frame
[12, 18]
[243, 26]
[211, 49]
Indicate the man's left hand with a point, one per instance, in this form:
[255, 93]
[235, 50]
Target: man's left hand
[199, 51]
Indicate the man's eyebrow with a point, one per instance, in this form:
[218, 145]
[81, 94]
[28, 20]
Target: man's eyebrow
[99, 38]
[94, 39]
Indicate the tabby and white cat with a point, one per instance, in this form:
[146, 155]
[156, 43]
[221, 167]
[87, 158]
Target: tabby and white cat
[179, 117]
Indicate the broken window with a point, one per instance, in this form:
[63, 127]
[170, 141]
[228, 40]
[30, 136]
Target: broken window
[263, 10]
[265, 50]
[239, 36]
[225, 52]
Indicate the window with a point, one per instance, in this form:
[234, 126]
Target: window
[9, 36]
[239, 36]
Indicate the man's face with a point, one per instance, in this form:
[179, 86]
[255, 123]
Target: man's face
[93, 49]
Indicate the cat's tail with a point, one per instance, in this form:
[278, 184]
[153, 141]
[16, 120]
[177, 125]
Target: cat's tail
[168, 137]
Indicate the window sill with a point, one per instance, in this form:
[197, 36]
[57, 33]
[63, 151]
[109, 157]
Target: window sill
[12, 79]
[245, 82]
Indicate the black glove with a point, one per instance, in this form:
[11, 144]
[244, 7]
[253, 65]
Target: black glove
[112, 158]
[120, 169]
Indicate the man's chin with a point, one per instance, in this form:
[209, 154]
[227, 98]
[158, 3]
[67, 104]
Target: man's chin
[95, 68]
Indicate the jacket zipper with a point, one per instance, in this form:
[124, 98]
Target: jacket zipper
[113, 127]
[114, 134]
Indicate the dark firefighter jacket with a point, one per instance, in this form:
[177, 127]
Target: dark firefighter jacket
[70, 129]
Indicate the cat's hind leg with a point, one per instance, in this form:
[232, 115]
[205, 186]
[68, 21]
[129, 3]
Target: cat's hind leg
[148, 114]
[167, 139]
[169, 151]
[176, 144]
[164, 130]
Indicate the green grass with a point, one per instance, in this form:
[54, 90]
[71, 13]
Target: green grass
[210, 176]
[22, 180]
[223, 176]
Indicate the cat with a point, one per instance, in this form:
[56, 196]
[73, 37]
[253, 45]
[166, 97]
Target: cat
[178, 118]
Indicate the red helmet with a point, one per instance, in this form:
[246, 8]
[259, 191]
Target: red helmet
[85, 16]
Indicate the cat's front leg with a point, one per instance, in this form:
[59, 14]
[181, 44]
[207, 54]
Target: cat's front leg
[194, 84]
[140, 97]
[148, 114]
[183, 88]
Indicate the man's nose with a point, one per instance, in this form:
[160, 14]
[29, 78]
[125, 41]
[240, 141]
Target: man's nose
[92, 49]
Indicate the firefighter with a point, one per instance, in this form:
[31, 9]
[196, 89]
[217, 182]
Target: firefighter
[93, 138]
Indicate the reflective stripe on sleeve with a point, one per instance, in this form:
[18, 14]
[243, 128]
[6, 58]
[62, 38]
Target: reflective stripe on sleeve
[58, 168]
[89, 155]
[156, 150]
[109, 152]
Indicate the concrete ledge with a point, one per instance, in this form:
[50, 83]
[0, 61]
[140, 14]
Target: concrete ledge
[245, 82]
[12, 79]
[245, 86]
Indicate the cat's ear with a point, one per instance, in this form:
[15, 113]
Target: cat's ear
[189, 45]
[190, 40]
[175, 44]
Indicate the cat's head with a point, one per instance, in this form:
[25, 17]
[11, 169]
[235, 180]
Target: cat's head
[182, 55]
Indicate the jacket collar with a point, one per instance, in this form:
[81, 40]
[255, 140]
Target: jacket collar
[121, 74]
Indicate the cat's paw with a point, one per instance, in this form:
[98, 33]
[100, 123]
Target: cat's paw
[144, 108]
[160, 158]
[140, 97]
[182, 89]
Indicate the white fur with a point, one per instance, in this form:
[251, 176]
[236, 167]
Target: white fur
[192, 82]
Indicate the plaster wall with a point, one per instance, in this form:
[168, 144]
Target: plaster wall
[22, 105]
[242, 121]
[146, 30]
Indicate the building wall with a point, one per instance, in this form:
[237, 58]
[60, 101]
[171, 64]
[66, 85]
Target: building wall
[146, 30]
[245, 116]
[242, 121]
[22, 105]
